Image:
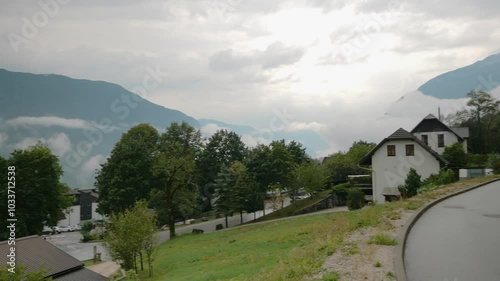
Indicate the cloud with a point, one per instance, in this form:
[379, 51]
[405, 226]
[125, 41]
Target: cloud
[3, 139]
[303, 126]
[86, 174]
[26, 121]
[209, 129]
[59, 144]
[27, 142]
[275, 55]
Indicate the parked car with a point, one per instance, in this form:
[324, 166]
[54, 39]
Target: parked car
[77, 227]
[67, 228]
[47, 230]
[56, 229]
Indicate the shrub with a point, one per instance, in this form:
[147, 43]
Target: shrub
[477, 161]
[412, 183]
[456, 155]
[355, 199]
[219, 226]
[383, 239]
[87, 226]
[494, 162]
[377, 264]
[341, 189]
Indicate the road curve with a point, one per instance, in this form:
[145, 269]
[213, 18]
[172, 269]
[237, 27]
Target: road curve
[458, 239]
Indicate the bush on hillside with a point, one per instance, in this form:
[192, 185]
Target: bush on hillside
[412, 183]
[477, 161]
[494, 162]
[355, 199]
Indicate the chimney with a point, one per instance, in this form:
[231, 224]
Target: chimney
[439, 113]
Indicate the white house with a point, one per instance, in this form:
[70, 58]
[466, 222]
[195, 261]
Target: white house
[392, 159]
[421, 150]
[84, 207]
[437, 135]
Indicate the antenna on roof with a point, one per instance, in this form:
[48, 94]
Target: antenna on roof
[439, 113]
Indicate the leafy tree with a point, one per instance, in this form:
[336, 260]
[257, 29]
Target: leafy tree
[412, 183]
[483, 119]
[127, 176]
[310, 176]
[223, 148]
[223, 189]
[342, 164]
[456, 155]
[494, 162]
[482, 103]
[39, 194]
[178, 148]
[132, 233]
[298, 153]
[282, 163]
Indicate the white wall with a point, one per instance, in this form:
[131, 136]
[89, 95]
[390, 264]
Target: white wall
[391, 171]
[449, 139]
[72, 218]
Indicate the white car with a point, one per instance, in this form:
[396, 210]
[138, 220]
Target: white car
[67, 228]
[77, 227]
[56, 229]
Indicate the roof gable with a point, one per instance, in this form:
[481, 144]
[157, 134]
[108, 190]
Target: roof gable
[432, 124]
[401, 134]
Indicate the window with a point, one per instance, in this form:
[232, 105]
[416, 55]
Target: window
[441, 140]
[391, 150]
[425, 139]
[410, 150]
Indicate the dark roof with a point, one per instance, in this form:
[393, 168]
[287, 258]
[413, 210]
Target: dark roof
[401, 134]
[431, 123]
[82, 274]
[36, 253]
[461, 131]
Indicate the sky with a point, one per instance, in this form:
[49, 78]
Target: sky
[335, 67]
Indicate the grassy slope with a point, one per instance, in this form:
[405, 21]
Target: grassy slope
[282, 250]
[294, 207]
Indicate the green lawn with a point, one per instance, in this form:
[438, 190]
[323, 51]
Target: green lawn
[277, 250]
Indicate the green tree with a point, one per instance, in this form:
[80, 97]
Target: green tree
[223, 148]
[310, 176]
[130, 234]
[342, 164]
[178, 148]
[298, 153]
[482, 103]
[127, 176]
[456, 155]
[223, 193]
[40, 196]
[412, 183]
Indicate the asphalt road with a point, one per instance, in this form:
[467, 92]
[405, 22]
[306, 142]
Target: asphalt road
[209, 226]
[458, 239]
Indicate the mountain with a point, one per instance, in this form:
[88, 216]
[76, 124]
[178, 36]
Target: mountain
[81, 120]
[482, 75]
[25, 94]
